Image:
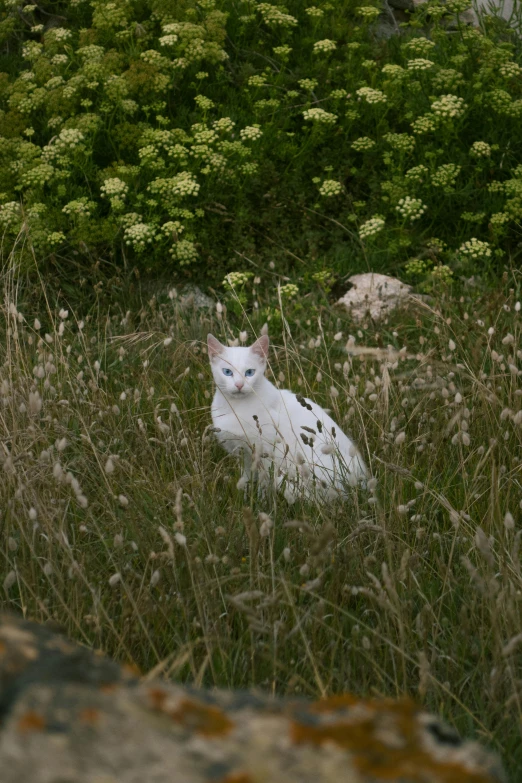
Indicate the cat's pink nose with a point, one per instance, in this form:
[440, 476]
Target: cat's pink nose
[239, 385]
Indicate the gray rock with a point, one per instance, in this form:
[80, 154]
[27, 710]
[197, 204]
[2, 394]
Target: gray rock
[68, 715]
[374, 295]
[192, 296]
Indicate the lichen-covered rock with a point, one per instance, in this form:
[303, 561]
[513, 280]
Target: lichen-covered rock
[374, 295]
[70, 716]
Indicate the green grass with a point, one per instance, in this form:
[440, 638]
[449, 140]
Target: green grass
[413, 587]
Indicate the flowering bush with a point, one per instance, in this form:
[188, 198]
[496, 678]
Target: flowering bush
[149, 136]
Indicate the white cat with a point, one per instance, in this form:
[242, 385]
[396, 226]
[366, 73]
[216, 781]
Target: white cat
[285, 439]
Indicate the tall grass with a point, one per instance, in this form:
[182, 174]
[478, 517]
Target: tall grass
[121, 519]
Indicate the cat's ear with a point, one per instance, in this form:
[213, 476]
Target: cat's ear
[260, 347]
[215, 348]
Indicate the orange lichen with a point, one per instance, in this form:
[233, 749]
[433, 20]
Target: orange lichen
[362, 732]
[31, 721]
[237, 777]
[90, 715]
[131, 670]
[108, 687]
[157, 698]
[202, 718]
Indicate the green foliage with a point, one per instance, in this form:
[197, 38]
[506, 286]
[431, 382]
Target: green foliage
[160, 135]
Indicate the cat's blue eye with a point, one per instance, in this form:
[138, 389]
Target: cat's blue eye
[249, 373]
[227, 371]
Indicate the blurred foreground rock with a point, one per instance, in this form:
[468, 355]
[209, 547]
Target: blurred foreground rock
[374, 295]
[68, 715]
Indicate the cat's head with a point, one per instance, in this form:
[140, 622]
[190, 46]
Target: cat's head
[238, 371]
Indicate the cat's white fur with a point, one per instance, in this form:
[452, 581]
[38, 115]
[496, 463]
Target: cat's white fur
[265, 424]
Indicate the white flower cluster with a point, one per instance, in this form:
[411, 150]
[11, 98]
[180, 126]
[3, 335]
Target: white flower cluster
[402, 142]
[320, 116]
[168, 40]
[321, 47]
[499, 218]
[371, 227]
[55, 238]
[91, 53]
[153, 57]
[69, 138]
[458, 6]
[201, 151]
[363, 143]
[442, 274]
[32, 50]
[289, 291]
[58, 35]
[510, 69]
[330, 187]
[475, 249]
[480, 149]
[282, 51]
[114, 187]
[185, 251]
[368, 12]
[420, 46]
[503, 103]
[38, 176]
[9, 213]
[496, 187]
[425, 124]
[249, 168]
[445, 176]
[448, 79]
[236, 280]
[251, 132]
[473, 217]
[139, 235]
[130, 219]
[172, 228]
[272, 15]
[420, 64]
[411, 208]
[223, 125]
[370, 95]
[183, 184]
[257, 81]
[81, 207]
[448, 106]
[307, 84]
[150, 157]
[205, 104]
[314, 12]
[56, 81]
[417, 173]
[395, 71]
